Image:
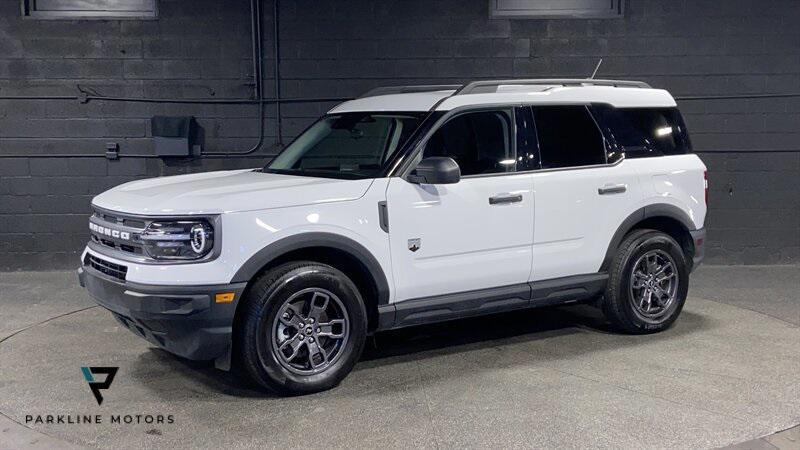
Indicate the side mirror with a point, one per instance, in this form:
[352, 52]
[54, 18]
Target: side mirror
[436, 170]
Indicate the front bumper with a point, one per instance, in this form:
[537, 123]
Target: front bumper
[184, 320]
[699, 241]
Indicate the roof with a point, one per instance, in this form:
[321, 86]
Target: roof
[622, 94]
[418, 101]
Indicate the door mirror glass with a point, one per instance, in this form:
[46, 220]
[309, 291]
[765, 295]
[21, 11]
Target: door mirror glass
[436, 170]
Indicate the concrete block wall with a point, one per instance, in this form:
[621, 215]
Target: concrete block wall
[201, 49]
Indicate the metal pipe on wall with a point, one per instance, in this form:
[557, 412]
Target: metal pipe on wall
[258, 65]
[86, 99]
[264, 101]
[202, 101]
[276, 48]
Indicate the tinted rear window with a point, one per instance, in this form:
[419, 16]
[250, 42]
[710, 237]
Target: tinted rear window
[643, 132]
[568, 137]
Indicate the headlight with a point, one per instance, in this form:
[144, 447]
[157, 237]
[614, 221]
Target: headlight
[179, 239]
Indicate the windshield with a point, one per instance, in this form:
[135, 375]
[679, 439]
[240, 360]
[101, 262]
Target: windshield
[349, 145]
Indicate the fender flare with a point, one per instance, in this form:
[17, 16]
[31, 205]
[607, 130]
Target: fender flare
[646, 212]
[315, 239]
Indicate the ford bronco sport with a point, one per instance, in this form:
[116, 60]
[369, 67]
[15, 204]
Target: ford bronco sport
[410, 205]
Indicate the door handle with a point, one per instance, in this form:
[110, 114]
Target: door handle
[612, 189]
[505, 198]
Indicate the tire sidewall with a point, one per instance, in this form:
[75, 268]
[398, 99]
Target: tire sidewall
[260, 344]
[642, 245]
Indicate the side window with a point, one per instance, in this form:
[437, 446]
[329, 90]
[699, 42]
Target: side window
[643, 132]
[568, 137]
[480, 142]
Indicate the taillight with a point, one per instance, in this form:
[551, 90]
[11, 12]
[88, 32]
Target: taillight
[705, 184]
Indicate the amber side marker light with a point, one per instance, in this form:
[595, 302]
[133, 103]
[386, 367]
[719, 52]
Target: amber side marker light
[224, 297]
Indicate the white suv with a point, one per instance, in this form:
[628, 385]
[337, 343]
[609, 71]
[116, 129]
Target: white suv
[410, 205]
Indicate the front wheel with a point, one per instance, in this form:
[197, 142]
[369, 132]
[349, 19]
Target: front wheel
[648, 283]
[303, 328]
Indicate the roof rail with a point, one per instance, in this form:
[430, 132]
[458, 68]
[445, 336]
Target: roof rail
[479, 86]
[386, 90]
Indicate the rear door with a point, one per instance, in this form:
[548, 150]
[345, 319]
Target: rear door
[471, 235]
[582, 193]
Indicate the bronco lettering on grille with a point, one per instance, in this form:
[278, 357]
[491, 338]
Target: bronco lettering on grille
[124, 235]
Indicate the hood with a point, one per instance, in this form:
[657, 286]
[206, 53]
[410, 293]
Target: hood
[225, 191]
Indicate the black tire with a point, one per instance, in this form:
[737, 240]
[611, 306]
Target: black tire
[619, 304]
[260, 324]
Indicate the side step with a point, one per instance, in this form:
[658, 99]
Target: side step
[441, 308]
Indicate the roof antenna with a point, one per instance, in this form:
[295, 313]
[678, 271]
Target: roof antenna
[596, 68]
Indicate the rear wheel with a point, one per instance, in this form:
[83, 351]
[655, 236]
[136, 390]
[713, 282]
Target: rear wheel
[648, 283]
[303, 328]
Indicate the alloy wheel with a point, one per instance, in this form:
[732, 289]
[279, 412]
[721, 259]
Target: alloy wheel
[310, 331]
[654, 285]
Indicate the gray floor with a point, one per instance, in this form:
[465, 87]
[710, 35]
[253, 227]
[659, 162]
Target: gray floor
[726, 373]
[770, 290]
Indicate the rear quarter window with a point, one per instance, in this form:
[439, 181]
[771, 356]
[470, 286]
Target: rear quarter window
[644, 132]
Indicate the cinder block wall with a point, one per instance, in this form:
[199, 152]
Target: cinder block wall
[201, 49]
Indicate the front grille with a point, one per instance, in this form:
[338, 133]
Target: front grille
[135, 249]
[131, 226]
[117, 271]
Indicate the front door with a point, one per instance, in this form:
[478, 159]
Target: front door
[474, 234]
